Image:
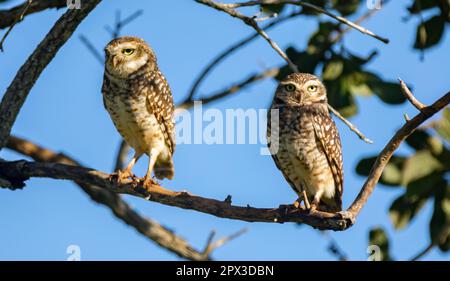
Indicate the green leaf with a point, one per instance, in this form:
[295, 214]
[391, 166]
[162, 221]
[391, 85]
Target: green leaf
[333, 69]
[378, 237]
[429, 33]
[403, 210]
[272, 9]
[320, 39]
[443, 127]
[421, 139]
[422, 5]
[419, 165]
[340, 98]
[346, 7]
[440, 220]
[392, 174]
[309, 11]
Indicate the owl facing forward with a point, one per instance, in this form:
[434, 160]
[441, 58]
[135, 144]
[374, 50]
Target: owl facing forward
[139, 101]
[308, 147]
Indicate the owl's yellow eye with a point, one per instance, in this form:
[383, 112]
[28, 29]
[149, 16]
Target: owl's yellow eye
[290, 87]
[128, 51]
[312, 88]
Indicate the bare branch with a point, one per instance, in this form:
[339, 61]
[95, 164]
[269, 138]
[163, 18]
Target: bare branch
[313, 7]
[423, 252]
[8, 17]
[227, 8]
[147, 227]
[386, 154]
[98, 56]
[233, 88]
[350, 125]
[28, 74]
[19, 18]
[230, 50]
[211, 246]
[409, 95]
[19, 171]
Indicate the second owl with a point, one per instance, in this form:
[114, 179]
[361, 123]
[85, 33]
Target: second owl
[305, 143]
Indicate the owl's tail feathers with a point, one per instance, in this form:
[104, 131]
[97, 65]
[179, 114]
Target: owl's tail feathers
[330, 205]
[164, 169]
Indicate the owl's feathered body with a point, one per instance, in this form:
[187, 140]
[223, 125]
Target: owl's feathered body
[140, 103]
[309, 148]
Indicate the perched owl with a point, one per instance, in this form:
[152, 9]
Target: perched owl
[139, 101]
[305, 145]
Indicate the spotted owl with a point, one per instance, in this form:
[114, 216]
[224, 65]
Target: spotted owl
[139, 101]
[305, 142]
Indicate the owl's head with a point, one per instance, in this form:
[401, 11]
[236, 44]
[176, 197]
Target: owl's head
[126, 55]
[299, 89]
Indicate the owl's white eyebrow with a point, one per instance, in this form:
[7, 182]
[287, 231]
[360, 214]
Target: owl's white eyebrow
[287, 83]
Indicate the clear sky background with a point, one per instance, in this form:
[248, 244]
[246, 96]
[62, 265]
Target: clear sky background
[64, 112]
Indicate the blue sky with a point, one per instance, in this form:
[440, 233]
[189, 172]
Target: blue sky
[64, 111]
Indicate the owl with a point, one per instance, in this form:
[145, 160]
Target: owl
[140, 104]
[305, 143]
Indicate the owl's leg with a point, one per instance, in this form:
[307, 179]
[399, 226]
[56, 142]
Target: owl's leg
[126, 173]
[316, 201]
[305, 199]
[153, 155]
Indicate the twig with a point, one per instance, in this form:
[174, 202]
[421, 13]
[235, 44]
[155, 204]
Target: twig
[409, 95]
[8, 17]
[388, 151]
[92, 49]
[233, 88]
[230, 50]
[251, 22]
[122, 155]
[211, 246]
[19, 18]
[30, 71]
[294, 68]
[350, 125]
[425, 251]
[19, 171]
[311, 6]
[147, 227]
[119, 24]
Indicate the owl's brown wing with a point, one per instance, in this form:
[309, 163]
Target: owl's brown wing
[328, 138]
[160, 103]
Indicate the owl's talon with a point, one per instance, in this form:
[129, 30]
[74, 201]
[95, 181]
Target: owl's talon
[148, 183]
[120, 176]
[346, 215]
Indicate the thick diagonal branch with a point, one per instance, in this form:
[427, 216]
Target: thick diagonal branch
[30, 71]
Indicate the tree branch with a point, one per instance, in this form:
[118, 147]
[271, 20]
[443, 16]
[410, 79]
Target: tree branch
[8, 17]
[147, 227]
[19, 171]
[408, 94]
[230, 50]
[19, 18]
[307, 5]
[28, 74]
[228, 8]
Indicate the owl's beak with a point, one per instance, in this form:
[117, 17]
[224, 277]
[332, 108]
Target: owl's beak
[115, 61]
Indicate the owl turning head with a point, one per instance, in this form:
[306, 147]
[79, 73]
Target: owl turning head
[126, 55]
[299, 89]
